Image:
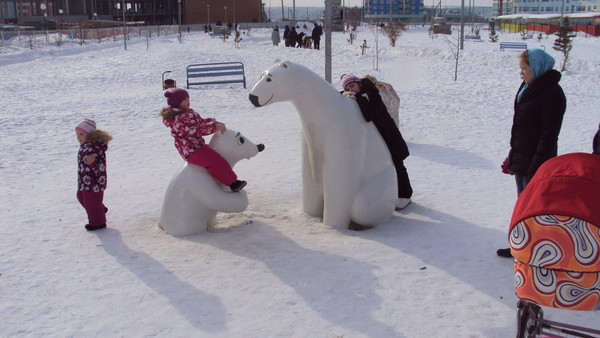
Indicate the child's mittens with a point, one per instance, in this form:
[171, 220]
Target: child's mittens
[90, 159]
[349, 95]
[505, 169]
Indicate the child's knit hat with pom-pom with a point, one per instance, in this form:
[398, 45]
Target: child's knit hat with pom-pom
[175, 96]
[86, 126]
[348, 79]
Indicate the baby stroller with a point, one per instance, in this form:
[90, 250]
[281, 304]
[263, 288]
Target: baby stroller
[555, 239]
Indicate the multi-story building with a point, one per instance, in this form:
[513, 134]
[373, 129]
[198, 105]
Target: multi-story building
[505, 7]
[393, 10]
[225, 11]
[153, 12]
[37, 11]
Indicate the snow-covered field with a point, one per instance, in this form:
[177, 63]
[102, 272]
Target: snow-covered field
[270, 271]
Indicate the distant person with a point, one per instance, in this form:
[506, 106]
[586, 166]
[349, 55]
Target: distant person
[374, 110]
[275, 36]
[300, 40]
[91, 172]
[188, 128]
[316, 36]
[286, 34]
[539, 107]
[292, 38]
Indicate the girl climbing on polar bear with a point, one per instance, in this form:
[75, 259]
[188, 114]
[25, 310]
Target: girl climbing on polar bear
[348, 177]
[373, 109]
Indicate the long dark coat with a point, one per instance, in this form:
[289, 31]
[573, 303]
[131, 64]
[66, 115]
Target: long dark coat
[374, 110]
[536, 124]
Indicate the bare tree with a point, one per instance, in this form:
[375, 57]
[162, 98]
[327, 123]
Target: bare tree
[455, 48]
[394, 31]
[31, 40]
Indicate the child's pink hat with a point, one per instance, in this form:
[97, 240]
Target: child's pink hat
[175, 96]
[86, 125]
[348, 79]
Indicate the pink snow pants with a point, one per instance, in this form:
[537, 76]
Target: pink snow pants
[92, 203]
[216, 165]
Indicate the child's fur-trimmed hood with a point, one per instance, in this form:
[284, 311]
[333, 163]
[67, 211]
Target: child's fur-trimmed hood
[98, 136]
[169, 113]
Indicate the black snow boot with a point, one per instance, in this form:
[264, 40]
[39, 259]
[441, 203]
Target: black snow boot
[94, 227]
[237, 185]
[504, 253]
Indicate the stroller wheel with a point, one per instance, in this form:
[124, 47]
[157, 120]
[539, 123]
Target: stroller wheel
[528, 316]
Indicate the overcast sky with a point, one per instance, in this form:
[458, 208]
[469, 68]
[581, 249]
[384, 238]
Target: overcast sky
[353, 3]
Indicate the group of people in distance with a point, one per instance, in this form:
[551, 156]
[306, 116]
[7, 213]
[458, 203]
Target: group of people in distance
[293, 39]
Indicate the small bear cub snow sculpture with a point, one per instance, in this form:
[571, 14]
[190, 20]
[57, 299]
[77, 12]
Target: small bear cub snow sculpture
[194, 197]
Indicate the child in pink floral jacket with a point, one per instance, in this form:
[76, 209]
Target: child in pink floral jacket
[91, 181]
[188, 129]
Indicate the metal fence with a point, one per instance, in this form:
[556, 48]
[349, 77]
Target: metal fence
[32, 38]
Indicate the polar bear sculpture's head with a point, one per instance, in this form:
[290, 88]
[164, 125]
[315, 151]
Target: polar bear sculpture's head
[280, 83]
[233, 146]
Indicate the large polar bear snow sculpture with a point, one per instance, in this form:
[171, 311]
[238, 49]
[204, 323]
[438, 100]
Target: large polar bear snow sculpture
[347, 170]
[194, 197]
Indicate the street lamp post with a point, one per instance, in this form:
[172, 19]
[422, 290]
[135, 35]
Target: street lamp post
[124, 25]
[225, 21]
[179, 13]
[208, 14]
[43, 7]
[60, 11]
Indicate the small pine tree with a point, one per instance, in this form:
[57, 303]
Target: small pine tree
[564, 43]
[238, 38]
[352, 37]
[493, 35]
[540, 36]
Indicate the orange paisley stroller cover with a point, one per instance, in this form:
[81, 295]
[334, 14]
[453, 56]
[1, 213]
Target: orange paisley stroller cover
[555, 234]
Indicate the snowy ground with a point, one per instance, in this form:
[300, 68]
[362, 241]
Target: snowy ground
[270, 271]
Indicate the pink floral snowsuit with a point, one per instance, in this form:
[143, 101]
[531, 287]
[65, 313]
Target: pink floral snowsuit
[91, 181]
[188, 130]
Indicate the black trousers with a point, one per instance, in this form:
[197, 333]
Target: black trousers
[398, 150]
[404, 188]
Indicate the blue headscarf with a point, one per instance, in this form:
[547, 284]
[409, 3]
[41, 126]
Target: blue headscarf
[540, 62]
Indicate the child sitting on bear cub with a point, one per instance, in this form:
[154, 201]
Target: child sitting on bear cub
[188, 129]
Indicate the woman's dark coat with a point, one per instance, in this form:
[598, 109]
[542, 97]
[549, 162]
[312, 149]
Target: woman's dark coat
[536, 124]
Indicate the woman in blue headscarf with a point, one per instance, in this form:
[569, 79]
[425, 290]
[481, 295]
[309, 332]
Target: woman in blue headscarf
[539, 108]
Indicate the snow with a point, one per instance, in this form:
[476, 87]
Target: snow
[270, 271]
